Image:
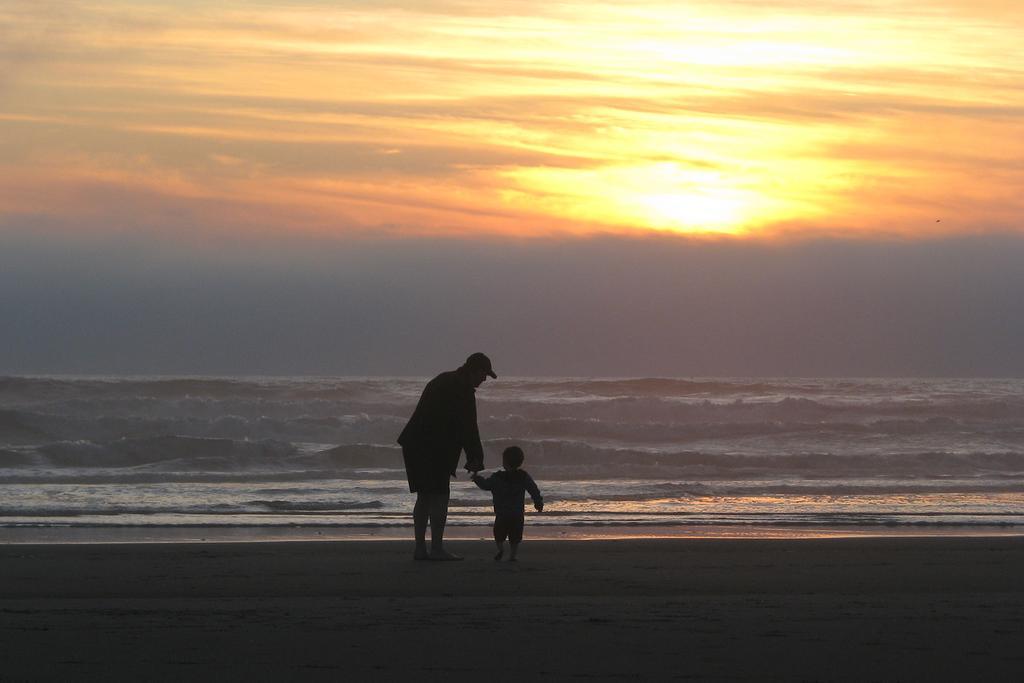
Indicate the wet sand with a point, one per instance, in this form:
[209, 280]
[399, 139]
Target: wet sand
[849, 609]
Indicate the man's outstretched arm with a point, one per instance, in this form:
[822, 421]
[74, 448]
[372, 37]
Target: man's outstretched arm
[469, 434]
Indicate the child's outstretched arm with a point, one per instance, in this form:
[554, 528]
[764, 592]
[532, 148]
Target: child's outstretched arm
[483, 482]
[531, 486]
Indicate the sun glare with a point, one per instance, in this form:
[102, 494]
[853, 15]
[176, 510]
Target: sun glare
[662, 196]
[693, 212]
[667, 197]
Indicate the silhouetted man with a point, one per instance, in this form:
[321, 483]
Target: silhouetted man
[442, 426]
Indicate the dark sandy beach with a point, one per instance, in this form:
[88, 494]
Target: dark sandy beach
[810, 609]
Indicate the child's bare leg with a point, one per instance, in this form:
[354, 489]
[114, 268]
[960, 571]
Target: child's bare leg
[499, 540]
[515, 536]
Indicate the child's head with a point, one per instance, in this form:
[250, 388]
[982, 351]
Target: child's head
[512, 458]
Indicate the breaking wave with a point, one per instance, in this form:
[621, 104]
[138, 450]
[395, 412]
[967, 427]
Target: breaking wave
[205, 450]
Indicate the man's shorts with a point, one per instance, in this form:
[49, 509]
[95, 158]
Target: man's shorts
[510, 527]
[426, 473]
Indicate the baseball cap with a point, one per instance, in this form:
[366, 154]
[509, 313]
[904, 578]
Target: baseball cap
[479, 361]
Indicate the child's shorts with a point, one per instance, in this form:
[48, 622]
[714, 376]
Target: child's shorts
[510, 527]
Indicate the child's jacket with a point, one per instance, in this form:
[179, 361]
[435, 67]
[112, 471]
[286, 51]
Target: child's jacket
[508, 488]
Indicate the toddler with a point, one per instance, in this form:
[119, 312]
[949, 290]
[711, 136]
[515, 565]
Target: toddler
[508, 487]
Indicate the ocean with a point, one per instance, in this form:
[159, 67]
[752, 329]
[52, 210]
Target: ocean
[151, 458]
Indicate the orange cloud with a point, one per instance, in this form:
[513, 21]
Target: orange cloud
[737, 118]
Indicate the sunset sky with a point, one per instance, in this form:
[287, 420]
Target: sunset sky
[232, 127]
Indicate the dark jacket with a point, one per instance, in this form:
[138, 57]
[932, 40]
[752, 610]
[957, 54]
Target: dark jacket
[444, 422]
[508, 488]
